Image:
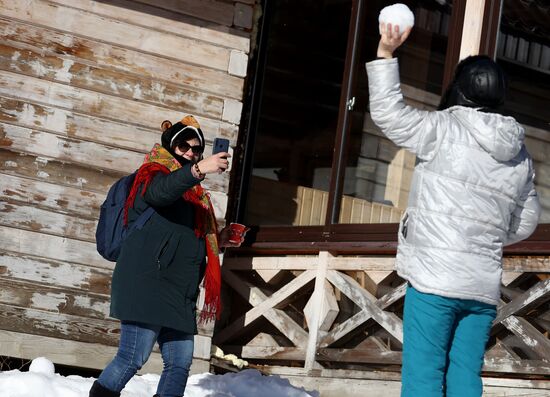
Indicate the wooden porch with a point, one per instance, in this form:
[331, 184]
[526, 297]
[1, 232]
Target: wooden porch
[333, 322]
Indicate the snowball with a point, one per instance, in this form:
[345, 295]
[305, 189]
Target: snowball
[397, 14]
[42, 365]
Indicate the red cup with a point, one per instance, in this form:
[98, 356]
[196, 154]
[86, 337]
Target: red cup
[237, 232]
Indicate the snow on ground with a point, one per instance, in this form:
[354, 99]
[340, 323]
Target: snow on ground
[42, 381]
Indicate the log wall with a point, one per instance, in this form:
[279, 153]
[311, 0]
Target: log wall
[84, 86]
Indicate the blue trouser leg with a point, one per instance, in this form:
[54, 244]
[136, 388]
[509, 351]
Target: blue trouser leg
[444, 340]
[427, 328]
[177, 354]
[136, 343]
[135, 346]
[467, 349]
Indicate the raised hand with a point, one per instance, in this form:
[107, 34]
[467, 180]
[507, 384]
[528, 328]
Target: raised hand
[216, 163]
[390, 39]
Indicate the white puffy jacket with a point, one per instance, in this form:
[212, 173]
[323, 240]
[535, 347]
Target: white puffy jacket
[472, 191]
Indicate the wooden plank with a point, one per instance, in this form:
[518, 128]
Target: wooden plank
[282, 321]
[55, 300]
[111, 82]
[41, 169]
[77, 354]
[511, 383]
[371, 263]
[82, 23]
[315, 318]
[267, 352]
[70, 150]
[61, 199]
[263, 307]
[66, 352]
[214, 11]
[271, 263]
[355, 355]
[100, 105]
[57, 325]
[44, 221]
[535, 295]
[357, 319]
[517, 366]
[79, 126]
[89, 180]
[55, 273]
[125, 60]
[51, 247]
[471, 31]
[529, 335]
[348, 286]
[534, 264]
[169, 22]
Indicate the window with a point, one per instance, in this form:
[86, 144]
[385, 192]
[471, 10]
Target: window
[523, 50]
[317, 159]
[378, 173]
[294, 142]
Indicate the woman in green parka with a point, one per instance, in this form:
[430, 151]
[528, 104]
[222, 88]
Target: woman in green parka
[156, 279]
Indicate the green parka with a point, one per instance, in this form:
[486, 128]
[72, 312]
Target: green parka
[157, 275]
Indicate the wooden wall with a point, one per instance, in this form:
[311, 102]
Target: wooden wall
[84, 86]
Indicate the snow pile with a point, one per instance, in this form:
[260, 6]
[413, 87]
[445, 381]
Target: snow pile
[42, 381]
[397, 14]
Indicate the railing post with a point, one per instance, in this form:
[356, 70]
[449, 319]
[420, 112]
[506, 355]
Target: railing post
[318, 297]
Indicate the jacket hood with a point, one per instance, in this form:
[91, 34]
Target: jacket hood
[501, 136]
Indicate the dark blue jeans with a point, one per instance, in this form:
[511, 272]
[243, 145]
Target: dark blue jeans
[136, 343]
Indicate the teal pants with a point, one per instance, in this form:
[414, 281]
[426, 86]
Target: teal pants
[444, 342]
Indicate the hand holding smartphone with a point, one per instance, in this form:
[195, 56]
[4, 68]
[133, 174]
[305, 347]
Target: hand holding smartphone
[220, 145]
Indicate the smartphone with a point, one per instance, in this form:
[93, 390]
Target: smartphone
[220, 145]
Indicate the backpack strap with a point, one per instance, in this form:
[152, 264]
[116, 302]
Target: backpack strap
[142, 219]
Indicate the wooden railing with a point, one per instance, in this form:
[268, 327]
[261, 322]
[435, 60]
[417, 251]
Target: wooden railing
[326, 314]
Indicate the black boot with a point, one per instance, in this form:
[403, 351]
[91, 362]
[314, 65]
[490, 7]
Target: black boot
[98, 390]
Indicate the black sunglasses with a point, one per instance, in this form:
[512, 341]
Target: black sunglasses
[184, 147]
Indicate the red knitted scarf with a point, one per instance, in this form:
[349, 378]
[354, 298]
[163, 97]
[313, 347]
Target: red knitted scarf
[160, 160]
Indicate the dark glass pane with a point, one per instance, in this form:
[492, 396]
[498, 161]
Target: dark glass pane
[299, 111]
[523, 50]
[378, 173]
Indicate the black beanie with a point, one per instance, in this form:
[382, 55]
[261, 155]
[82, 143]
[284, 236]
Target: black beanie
[479, 82]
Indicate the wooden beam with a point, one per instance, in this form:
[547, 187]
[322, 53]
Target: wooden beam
[263, 307]
[132, 62]
[389, 321]
[51, 247]
[535, 295]
[315, 320]
[473, 25]
[529, 335]
[55, 273]
[359, 318]
[83, 23]
[155, 16]
[97, 104]
[282, 321]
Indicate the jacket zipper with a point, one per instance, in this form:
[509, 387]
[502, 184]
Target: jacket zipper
[161, 252]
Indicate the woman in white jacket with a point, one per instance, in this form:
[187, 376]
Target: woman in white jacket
[472, 193]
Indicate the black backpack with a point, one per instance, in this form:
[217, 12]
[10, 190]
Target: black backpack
[111, 231]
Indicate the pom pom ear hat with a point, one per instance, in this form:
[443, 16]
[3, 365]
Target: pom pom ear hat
[173, 134]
